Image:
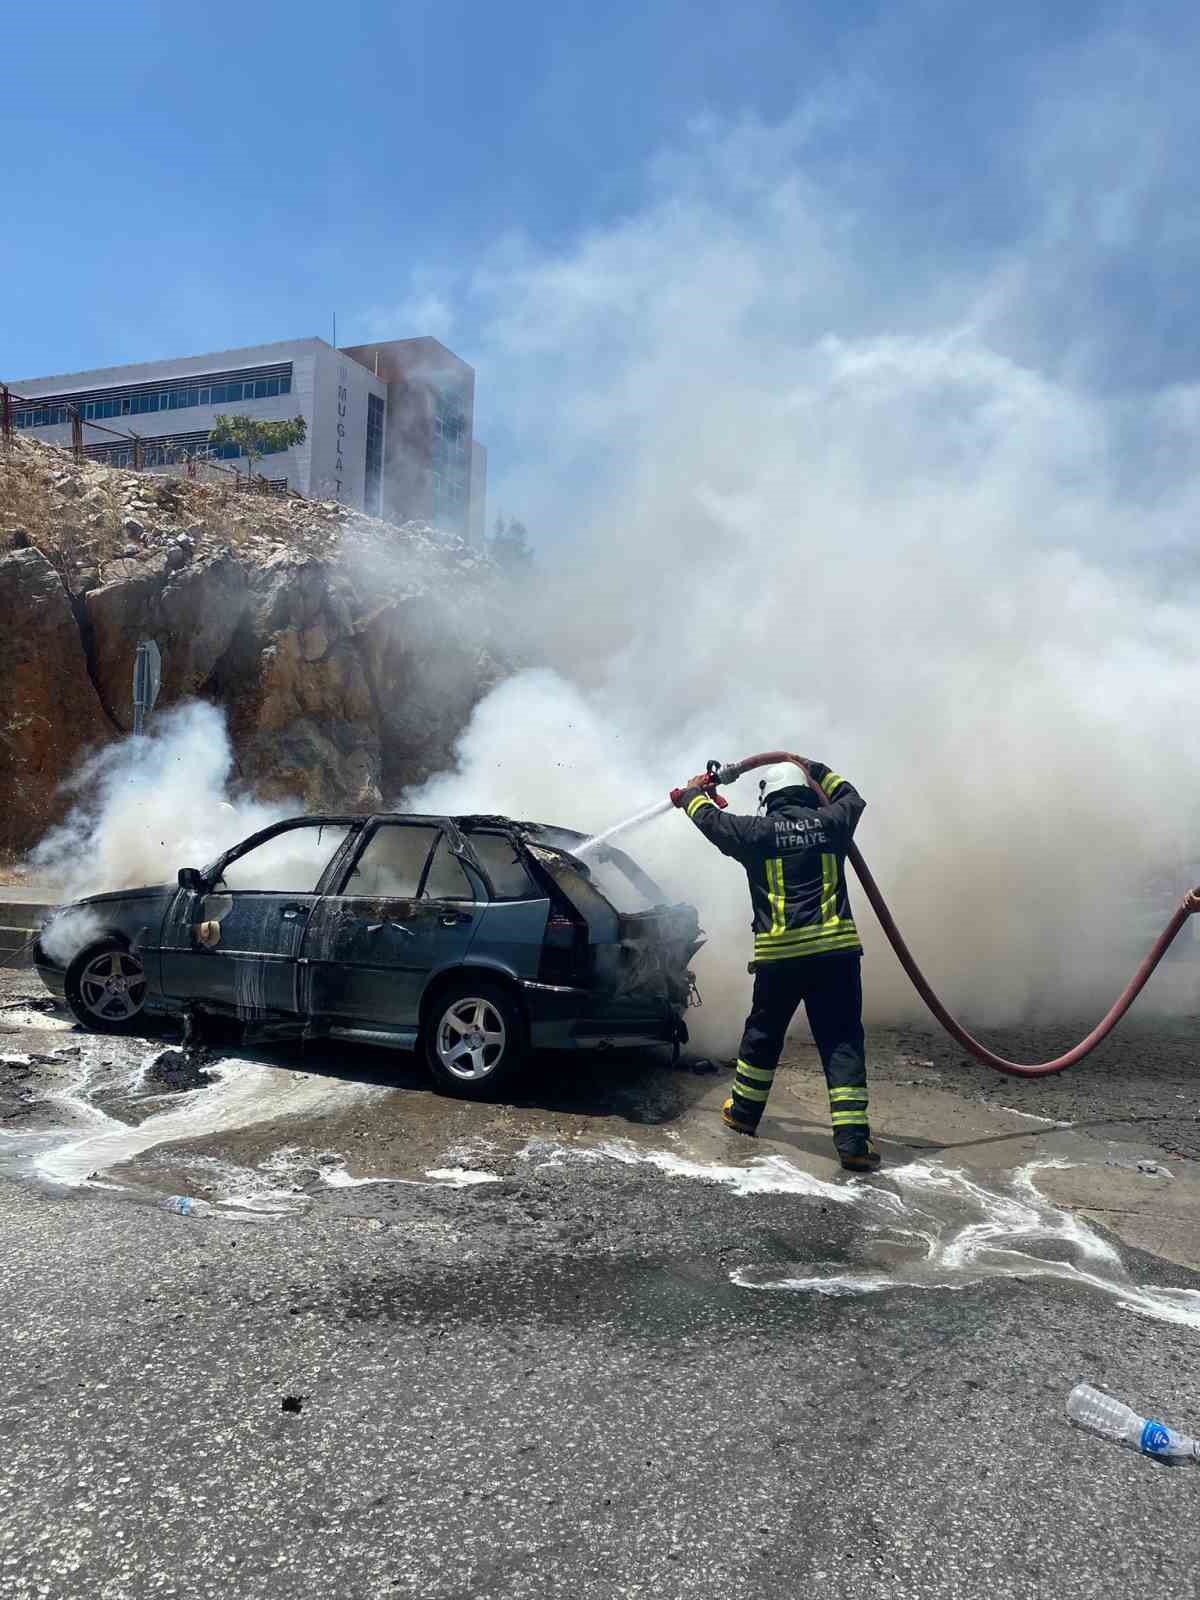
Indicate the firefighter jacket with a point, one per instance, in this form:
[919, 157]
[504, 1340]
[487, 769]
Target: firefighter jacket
[795, 859]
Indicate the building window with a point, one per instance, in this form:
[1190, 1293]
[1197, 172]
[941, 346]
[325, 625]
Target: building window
[166, 450]
[374, 474]
[165, 396]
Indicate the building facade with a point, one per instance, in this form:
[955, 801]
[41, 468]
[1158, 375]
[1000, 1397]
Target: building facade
[389, 427]
[429, 457]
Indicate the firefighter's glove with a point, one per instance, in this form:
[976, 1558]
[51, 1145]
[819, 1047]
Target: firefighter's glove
[701, 781]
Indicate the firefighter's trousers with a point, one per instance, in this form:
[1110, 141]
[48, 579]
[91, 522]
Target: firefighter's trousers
[831, 990]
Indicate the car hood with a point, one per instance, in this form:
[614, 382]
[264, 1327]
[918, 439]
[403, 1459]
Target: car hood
[146, 892]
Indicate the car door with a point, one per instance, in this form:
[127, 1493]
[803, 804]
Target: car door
[408, 907]
[235, 945]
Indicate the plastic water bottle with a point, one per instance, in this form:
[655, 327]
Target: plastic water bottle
[183, 1205]
[1115, 1420]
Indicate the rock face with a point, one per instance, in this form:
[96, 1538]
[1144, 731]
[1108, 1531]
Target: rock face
[49, 712]
[346, 652]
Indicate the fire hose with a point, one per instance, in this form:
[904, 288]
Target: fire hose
[716, 773]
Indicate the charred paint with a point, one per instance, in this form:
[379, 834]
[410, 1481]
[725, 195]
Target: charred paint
[587, 967]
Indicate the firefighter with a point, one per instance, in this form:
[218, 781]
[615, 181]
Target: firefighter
[806, 947]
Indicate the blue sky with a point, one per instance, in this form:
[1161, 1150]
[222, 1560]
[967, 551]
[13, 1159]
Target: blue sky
[203, 177]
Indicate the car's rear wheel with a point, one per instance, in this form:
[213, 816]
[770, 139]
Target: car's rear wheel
[474, 1039]
[106, 988]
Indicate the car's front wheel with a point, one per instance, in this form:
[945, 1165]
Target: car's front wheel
[474, 1039]
[106, 988]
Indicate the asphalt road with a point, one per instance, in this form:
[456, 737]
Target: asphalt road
[551, 1383]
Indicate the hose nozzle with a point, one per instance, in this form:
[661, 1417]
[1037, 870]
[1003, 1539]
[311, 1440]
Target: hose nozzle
[722, 774]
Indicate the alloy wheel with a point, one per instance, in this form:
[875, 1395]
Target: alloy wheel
[112, 986]
[471, 1039]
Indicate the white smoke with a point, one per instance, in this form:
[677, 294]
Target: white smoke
[148, 805]
[817, 496]
[68, 932]
[865, 531]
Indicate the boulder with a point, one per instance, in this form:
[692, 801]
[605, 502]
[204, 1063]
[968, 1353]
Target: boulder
[346, 653]
[193, 615]
[50, 714]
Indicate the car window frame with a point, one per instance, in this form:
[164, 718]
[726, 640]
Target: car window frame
[443, 827]
[474, 861]
[214, 873]
[480, 893]
[340, 884]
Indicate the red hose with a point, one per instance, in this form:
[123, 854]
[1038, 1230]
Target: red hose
[1018, 1069]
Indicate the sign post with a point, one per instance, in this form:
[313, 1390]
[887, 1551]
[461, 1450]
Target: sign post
[147, 675]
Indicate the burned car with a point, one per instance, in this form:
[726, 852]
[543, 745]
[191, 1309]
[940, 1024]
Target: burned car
[471, 939]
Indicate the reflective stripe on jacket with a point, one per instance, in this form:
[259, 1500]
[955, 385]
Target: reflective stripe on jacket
[795, 861]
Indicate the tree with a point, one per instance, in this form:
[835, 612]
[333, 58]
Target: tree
[509, 546]
[255, 438]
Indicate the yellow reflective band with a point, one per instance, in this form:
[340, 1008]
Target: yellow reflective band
[830, 782]
[694, 805]
[776, 896]
[850, 1119]
[848, 1092]
[807, 947]
[815, 931]
[763, 1074]
[829, 889]
[804, 947]
[806, 954]
[817, 935]
[742, 1092]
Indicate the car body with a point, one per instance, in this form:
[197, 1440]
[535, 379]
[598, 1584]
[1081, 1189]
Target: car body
[359, 928]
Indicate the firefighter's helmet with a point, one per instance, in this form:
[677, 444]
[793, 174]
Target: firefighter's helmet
[783, 775]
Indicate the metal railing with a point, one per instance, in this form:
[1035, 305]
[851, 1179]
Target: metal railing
[195, 460]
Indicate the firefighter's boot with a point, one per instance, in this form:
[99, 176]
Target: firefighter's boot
[732, 1117]
[861, 1156]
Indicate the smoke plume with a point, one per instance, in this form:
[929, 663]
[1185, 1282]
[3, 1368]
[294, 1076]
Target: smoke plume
[808, 476]
[147, 806]
[811, 503]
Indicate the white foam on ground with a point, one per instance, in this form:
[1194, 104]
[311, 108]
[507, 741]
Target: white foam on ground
[926, 1226]
[247, 1092]
[31, 1017]
[460, 1177]
[255, 1189]
[948, 1248]
[1029, 1116]
[762, 1175]
[91, 1141]
[435, 1178]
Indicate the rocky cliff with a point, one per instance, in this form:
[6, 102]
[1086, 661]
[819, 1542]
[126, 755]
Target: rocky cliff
[346, 652]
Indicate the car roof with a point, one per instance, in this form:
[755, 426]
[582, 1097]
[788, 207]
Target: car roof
[474, 822]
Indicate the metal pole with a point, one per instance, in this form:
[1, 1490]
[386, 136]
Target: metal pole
[6, 418]
[147, 675]
[76, 434]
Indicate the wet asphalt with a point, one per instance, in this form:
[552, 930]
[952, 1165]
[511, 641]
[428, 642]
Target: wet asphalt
[550, 1386]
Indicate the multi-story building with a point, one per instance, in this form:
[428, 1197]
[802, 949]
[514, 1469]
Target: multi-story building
[429, 461]
[390, 427]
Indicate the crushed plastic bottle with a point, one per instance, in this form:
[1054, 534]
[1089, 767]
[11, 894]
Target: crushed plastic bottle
[1114, 1420]
[185, 1206]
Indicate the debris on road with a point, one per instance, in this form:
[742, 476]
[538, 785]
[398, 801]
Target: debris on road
[1112, 1419]
[181, 1069]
